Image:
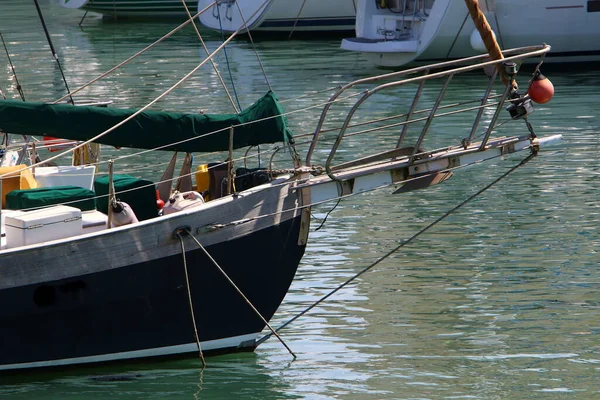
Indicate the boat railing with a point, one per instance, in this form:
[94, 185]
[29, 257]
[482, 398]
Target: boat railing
[419, 76]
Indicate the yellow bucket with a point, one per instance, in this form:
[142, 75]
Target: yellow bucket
[202, 178]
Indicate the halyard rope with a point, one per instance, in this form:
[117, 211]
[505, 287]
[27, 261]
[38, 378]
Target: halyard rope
[409, 240]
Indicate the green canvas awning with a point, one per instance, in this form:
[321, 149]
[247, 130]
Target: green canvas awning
[260, 123]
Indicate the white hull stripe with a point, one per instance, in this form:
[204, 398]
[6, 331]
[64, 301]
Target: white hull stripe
[161, 351]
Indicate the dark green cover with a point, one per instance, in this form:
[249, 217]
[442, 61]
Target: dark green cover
[150, 129]
[73, 196]
[142, 199]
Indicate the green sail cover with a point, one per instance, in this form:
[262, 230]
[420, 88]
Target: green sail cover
[150, 129]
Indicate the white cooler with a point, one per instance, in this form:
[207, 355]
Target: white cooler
[30, 227]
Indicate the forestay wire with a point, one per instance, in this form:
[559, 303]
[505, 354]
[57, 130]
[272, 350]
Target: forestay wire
[534, 151]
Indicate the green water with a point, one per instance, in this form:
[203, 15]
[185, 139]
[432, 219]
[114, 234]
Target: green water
[499, 301]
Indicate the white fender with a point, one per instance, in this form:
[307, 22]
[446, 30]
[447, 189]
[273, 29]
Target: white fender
[122, 214]
[477, 42]
[180, 201]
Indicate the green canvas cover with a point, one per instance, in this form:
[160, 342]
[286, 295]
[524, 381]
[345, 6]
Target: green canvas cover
[73, 196]
[150, 129]
[142, 199]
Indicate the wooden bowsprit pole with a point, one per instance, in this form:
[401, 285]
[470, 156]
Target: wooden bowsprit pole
[487, 35]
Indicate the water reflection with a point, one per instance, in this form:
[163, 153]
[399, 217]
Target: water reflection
[229, 376]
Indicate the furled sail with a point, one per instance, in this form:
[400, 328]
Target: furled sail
[262, 122]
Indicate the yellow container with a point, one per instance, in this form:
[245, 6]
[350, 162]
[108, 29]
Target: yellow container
[202, 178]
[13, 179]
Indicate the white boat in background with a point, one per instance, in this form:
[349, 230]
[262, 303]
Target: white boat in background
[393, 33]
[133, 8]
[279, 15]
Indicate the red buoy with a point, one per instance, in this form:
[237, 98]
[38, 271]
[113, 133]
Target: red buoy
[541, 89]
[159, 202]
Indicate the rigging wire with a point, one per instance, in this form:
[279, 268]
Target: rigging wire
[268, 215]
[297, 18]
[39, 11]
[12, 68]
[164, 37]
[212, 62]
[451, 47]
[404, 243]
[139, 111]
[229, 66]
[318, 105]
[82, 18]
[310, 93]
[245, 24]
[331, 210]
[227, 60]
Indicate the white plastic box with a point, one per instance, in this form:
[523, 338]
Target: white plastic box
[4, 213]
[82, 176]
[30, 227]
[93, 221]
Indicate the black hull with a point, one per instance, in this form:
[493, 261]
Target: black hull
[142, 310]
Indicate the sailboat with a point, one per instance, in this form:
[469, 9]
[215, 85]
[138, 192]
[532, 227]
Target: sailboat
[133, 9]
[227, 16]
[99, 266]
[395, 33]
[278, 15]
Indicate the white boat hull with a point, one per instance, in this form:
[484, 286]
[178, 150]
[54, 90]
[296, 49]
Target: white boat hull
[567, 25]
[134, 8]
[279, 15]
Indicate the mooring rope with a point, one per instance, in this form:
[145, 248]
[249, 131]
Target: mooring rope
[189, 293]
[273, 332]
[409, 240]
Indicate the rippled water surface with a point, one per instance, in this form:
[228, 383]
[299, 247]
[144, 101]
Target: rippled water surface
[499, 301]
